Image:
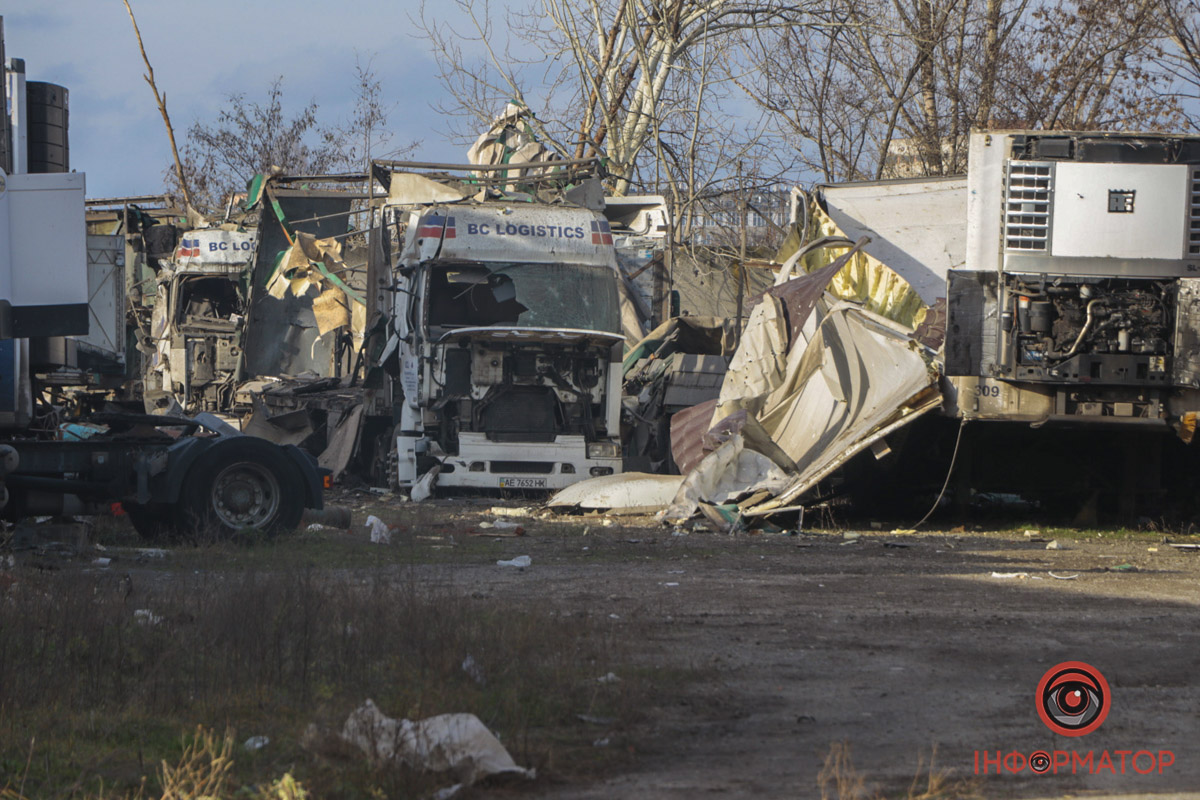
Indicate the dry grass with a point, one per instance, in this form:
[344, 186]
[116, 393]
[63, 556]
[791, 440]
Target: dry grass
[839, 780]
[104, 691]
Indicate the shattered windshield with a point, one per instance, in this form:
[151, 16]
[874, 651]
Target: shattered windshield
[480, 294]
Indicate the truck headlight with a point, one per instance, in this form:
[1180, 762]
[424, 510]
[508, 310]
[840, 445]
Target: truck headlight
[603, 450]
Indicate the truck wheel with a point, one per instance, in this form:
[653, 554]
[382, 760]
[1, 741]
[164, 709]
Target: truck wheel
[242, 483]
[151, 521]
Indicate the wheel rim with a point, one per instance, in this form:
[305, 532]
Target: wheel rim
[245, 495]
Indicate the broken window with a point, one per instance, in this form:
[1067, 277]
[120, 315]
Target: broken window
[208, 299]
[477, 294]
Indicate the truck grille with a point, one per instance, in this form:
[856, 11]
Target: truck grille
[1193, 244]
[1027, 207]
[521, 414]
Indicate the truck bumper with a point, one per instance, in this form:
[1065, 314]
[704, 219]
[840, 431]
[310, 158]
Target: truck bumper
[484, 464]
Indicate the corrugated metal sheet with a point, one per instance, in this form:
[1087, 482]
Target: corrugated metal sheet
[687, 435]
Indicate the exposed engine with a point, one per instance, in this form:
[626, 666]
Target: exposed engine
[521, 392]
[1112, 331]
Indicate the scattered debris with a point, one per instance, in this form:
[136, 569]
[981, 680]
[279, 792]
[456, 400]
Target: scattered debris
[422, 490]
[1121, 568]
[472, 668]
[505, 511]
[1054, 544]
[609, 678]
[1063, 577]
[380, 533]
[593, 720]
[517, 532]
[331, 517]
[256, 743]
[457, 743]
[500, 525]
[1007, 575]
[1184, 546]
[520, 562]
[145, 616]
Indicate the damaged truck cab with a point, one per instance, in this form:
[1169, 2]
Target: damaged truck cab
[507, 336]
[198, 321]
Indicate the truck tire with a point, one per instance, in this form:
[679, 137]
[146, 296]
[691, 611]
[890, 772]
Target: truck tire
[241, 483]
[151, 521]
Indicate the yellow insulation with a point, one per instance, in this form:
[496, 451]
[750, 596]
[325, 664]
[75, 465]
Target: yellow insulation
[864, 279]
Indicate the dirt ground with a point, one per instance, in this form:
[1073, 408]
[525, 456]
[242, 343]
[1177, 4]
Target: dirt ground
[894, 643]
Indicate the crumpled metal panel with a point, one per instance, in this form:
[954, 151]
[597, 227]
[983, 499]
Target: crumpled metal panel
[282, 336]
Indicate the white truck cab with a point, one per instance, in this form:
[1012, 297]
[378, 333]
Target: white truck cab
[508, 329]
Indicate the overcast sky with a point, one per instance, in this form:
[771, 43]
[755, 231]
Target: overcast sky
[202, 52]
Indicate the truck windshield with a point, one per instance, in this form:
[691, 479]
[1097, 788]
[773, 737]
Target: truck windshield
[514, 294]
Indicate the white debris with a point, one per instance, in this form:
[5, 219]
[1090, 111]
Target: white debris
[472, 668]
[380, 533]
[256, 743]
[1019, 575]
[519, 561]
[423, 489]
[505, 511]
[449, 742]
[1054, 545]
[151, 552]
[102, 562]
[145, 616]
[609, 678]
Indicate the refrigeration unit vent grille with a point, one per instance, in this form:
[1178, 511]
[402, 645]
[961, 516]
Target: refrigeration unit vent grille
[1027, 207]
[1193, 244]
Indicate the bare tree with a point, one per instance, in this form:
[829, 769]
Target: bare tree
[250, 137]
[161, 100]
[632, 81]
[893, 86]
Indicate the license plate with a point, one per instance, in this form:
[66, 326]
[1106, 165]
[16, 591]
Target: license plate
[522, 483]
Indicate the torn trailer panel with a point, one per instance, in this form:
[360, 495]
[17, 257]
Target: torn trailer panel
[814, 382]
